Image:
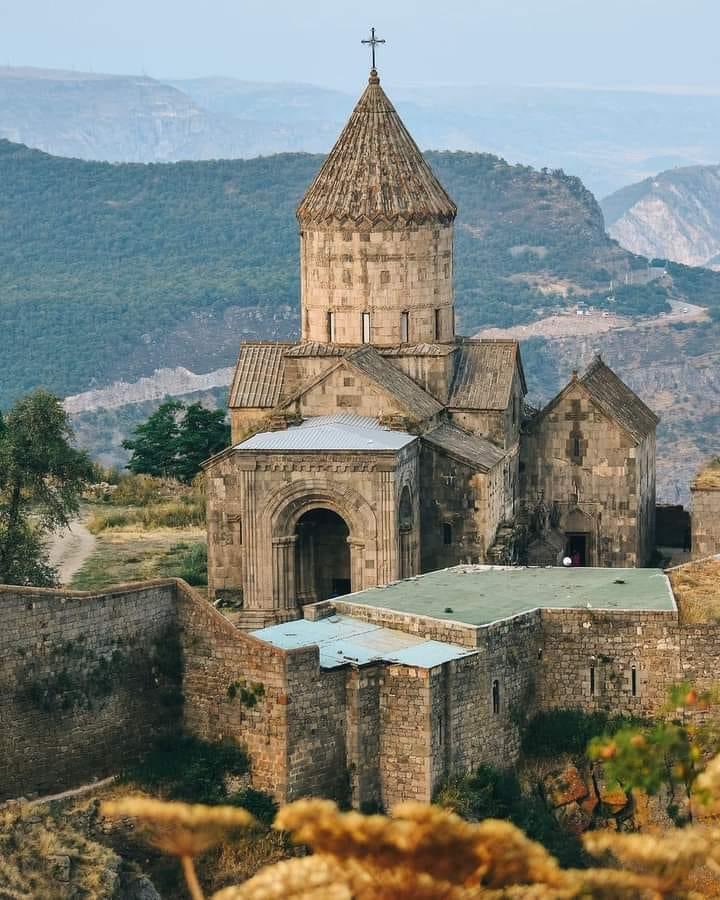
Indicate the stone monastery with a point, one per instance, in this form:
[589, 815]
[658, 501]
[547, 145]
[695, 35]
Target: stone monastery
[377, 467]
[383, 445]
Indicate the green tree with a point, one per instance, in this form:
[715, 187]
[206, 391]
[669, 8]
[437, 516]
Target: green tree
[175, 440]
[154, 443]
[202, 433]
[41, 477]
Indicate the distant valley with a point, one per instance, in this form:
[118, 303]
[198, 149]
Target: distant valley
[608, 138]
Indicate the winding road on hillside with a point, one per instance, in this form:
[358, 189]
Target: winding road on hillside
[68, 549]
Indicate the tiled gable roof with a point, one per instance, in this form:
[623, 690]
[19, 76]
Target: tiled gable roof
[479, 452]
[484, 371]
[417, 401]
[258, 375]
[616, 399]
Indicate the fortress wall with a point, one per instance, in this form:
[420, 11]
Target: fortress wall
[236, 688]
[317, 760]
[589, 656]
[405, 735]
[87, 681]
[705, 522]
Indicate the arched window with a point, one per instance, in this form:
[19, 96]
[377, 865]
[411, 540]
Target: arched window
[447, 534]
[331, 327]
[633, 681]
[404, 327]
[496, 696]
[437, 324]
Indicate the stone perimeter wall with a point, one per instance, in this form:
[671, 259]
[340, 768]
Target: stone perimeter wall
[85, 682]
[88, 681]
[705, 522]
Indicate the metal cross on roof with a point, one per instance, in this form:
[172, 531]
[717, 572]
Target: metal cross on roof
[372, 40]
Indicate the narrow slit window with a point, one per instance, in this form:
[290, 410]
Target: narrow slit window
[366, 328]
[447, 534]
[437, 324]
[577, 446]
[404, 327]
[592, 681]
[331, 327]
[633, 681]
[496, 696]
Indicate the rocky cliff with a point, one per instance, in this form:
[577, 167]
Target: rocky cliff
[675, 215]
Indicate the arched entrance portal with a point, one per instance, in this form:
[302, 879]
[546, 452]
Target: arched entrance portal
[322, 562]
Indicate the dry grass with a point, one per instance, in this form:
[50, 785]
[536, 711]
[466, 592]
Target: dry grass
[133, 554]
[708, 478]
[35, 848]
[697, 591]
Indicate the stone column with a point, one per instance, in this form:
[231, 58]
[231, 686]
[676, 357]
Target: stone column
[305, 568]
[357, 564]
[251, 587]
[387, 537]
[283, 573]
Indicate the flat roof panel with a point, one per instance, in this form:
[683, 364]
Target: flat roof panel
[343, 639]
[479, 595]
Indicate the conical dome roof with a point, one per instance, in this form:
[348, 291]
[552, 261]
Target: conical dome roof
[375, 173]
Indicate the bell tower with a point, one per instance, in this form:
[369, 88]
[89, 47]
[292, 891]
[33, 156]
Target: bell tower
[376, 236]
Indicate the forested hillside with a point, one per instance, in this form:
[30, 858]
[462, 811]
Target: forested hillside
[109, 271]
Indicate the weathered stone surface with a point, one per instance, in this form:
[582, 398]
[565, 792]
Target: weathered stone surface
[565, 787]
[573, 818]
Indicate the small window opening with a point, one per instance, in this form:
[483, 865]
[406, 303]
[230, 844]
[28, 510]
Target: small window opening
[331, 327]
[437, 324]
[633, 681]
[577, 446]
[496, 696]
[404, 327]
[592, 681]
[366, 328]
[447, 534]
[540, 653]
[441, 731]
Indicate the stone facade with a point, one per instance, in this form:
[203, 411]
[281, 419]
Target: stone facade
[384, 287]
[705, 492]
[377, 734]
[378, 342]
[595, 477]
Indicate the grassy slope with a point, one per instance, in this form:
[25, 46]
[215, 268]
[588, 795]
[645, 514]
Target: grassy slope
[109, 271]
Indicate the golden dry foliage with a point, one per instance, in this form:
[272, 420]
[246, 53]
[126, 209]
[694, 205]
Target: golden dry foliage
[425, 853]
[696, 588]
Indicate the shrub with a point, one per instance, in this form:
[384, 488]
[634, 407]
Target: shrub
[184, 768]
[550, 734]
[260, 804]
[493, 794]
[193, 567]
[138, 490]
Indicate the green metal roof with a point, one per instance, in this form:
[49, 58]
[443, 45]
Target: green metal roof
[479, 595]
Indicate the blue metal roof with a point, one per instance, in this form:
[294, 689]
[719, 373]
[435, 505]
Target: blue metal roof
[344, 639]
[341, 432]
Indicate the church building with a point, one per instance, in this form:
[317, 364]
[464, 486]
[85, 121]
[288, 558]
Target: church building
[381, 445]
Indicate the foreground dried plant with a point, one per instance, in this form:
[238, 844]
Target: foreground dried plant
[421, 852]
[181, 829]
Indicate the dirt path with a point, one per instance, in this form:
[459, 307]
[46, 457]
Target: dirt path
[68, 550]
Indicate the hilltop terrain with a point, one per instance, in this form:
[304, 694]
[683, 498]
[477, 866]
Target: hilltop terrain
[609, 138]
[108, 272]
[674, 215]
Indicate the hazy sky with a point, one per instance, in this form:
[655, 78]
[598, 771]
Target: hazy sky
[609, 42]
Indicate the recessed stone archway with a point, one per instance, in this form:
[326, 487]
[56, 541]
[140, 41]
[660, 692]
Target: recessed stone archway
[323, 567]
[294, 578]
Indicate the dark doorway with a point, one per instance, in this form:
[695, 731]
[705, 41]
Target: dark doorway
[576, 548]
[322, 564]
